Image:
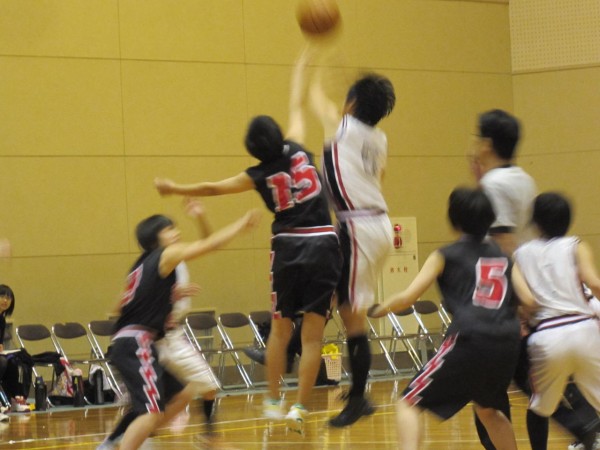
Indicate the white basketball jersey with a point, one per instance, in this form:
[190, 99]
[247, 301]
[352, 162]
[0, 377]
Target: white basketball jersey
[354, 164]
[511, 191]
[550, 269]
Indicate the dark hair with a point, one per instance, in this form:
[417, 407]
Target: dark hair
[264, 139]
[503, 129]
[552, 214]
[373, 97]
[470, 211]
[5, 291]
[148, 229]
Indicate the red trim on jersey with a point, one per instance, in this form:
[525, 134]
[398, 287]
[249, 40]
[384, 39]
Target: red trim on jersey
[421, 381]
[338, 176]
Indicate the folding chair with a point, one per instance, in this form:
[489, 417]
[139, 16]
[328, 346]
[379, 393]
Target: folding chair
[429, 308]
[234, 321]
[74, 333]
[445, 317]
[199, 328]
[259, 318]
[103, 330]
[39, 340]
[379, 338]
[405, 338]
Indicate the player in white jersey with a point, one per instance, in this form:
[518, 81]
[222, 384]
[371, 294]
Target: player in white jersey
[353, 164]
[566, 334]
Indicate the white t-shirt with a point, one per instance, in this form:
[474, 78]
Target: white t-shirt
[511, 191]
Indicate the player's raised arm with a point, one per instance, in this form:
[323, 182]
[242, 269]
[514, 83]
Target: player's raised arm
[238, 183]
[185, 251]
[322, 106]
[296, 124]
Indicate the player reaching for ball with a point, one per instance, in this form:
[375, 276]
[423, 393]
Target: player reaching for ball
[354, 158]
[305, 253]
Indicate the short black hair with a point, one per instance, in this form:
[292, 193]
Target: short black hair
[373, 96]
[552, 214]
[147, 231]
[264, 139]
[470, 211]
[503, 129]
[6, 291]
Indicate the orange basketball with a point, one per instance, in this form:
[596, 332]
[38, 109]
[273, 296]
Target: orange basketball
[318, 16]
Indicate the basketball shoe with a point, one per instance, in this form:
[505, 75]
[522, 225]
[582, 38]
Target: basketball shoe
[272, 409]
[296, 417]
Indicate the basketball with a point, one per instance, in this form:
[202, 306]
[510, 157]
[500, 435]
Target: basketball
[317, 17]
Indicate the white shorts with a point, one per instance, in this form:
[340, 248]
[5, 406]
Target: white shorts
[177, 355]
[366, 242]
[558, 353]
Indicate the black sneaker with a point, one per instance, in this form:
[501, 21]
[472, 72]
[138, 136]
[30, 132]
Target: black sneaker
[354, 410]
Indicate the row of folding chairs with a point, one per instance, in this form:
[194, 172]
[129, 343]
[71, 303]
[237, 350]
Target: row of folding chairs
[413, 333]
[416, 332]
[221, 340]
[76, 344]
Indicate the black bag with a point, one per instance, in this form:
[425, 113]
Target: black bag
[17, 378]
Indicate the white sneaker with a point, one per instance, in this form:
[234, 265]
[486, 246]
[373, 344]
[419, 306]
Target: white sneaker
[4, 417]
[272, 409]
[296, 417]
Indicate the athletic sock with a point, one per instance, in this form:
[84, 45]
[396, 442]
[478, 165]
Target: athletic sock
[537, 428]
[360, 363]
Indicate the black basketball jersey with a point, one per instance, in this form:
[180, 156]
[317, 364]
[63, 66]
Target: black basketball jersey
[291, 188]
[476, 289]
[147, 297]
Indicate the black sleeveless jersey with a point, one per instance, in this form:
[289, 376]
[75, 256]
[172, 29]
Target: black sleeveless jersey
[477, 291]
[147, 297]
[291, 188]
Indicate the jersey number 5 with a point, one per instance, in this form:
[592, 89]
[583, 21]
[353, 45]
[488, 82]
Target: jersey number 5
[301, 184]
[492, 284]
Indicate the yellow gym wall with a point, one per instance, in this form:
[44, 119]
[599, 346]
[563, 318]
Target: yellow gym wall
[97, 97]
[556, 84]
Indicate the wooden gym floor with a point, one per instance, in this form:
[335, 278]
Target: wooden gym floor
[240, 426]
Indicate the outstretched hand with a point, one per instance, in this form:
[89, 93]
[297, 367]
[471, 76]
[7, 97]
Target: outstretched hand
[193, 207]
[164, 186]
[251, 219]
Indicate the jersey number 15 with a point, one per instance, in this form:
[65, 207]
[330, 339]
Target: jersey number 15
[300, 185]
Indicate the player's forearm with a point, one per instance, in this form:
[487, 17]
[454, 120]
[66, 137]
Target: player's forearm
[203, 189]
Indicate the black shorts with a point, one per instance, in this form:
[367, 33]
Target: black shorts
[305, 271]
[466, 368]
[149, 385]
